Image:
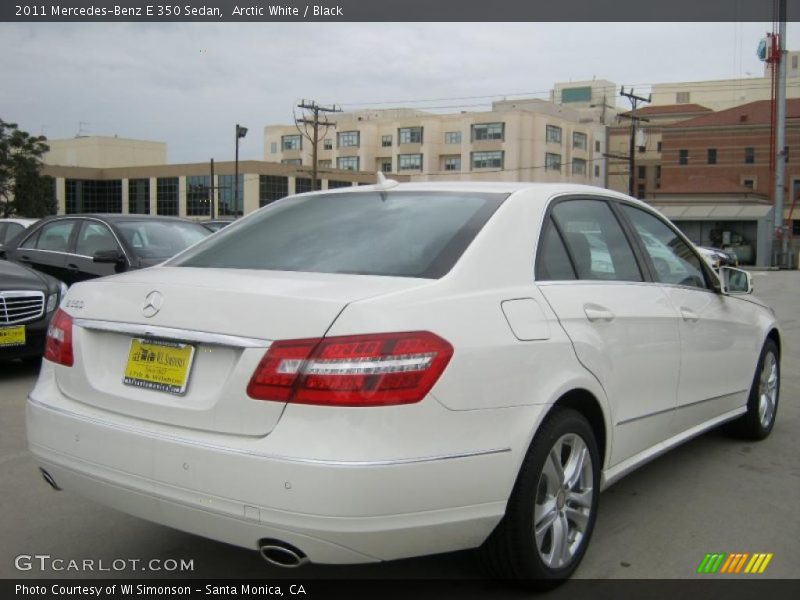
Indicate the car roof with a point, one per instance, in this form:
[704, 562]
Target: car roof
[21, 220]
[118, 218]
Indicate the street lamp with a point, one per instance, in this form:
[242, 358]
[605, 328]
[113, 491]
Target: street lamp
[240, 133]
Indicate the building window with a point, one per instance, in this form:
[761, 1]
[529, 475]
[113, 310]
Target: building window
[640, 191]
[597, 145]
[452, 137]
[292, 142]
[658, 146]
[385, 165]
[327, 144]
[333, 184]
[578, 166]
[642, 149]
[682, 97]
[751, 183]
[642, 172]
[271, 188]
[292, 161]
[577, 94]
[749, 155]
[93, 196]
[386, 141]
[579, 140]
[488, 131]
[325, 164]
[303, 185]
[198, 188]
[273, 148]
[794, 66]
[488, 160]
[552, 162]
[139, 196]
[597, 170]
[712, 156]
[795, 222]
[167, 196]
[658, 172]
[409, 162]
[348, 139]
[226, 191]
[683, 157]
[409, 135]
[452, 163]
[553, 134]
[347, 163]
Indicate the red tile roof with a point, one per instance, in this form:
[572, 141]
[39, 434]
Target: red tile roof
[754, 113]
[700, 184]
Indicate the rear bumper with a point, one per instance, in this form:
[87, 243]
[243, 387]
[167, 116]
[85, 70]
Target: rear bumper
[335, 511]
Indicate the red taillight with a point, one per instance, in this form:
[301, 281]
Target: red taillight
[358, 370]
[58, 347]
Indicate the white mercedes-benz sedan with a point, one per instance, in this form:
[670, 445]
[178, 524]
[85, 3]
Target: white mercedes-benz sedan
[372, 373]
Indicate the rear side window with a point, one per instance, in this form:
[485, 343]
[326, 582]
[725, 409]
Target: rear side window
[402, 234]
[12, 230]
[52, 236]
[673, 259]
[553, 263]
[595, 241]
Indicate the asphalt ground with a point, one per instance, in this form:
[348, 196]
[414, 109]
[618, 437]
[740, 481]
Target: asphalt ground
[713, 494]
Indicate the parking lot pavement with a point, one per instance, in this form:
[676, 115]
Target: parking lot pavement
[713, 494]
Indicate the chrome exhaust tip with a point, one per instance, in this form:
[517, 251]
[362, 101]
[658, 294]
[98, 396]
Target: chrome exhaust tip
[49, 479]
[281, 554]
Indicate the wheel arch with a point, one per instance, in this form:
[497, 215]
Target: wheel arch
[586, 403]
[775, 336]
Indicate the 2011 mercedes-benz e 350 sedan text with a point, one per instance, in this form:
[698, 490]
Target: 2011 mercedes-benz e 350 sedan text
[387, 371]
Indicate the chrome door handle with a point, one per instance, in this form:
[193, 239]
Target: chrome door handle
[598, 313]
[689, 315]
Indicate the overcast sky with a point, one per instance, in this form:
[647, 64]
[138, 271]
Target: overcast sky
[188, 84]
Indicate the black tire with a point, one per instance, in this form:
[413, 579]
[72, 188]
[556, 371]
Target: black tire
[751, 425]
[512, 551]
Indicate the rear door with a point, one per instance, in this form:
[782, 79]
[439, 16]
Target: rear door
[720, 338]
[623, 328]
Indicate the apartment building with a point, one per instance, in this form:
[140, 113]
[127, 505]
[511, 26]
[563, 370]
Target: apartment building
[520, 140]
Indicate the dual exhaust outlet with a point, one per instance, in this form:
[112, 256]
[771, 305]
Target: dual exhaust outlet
[275, 552]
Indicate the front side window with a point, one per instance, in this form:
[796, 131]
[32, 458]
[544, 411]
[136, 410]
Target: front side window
[673, 259]
[160, 239]
[488, 131]
[409, 135]
[409, 162]
[348, 139]
[553, 134]
[488, 160]
[348, 163]
[401, 234]
[595, 241]
[292, 142]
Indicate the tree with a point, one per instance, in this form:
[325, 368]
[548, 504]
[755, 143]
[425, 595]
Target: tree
[24, 190]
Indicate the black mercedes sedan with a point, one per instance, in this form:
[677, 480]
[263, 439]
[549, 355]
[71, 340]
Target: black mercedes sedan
[27, 301]
[75, 248]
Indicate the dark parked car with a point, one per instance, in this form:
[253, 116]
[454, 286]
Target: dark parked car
[27, 301]
[12, 227]
[216, 224]
[74, 248]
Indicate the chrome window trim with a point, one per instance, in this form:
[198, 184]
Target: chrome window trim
[172, 333]
[292, 459]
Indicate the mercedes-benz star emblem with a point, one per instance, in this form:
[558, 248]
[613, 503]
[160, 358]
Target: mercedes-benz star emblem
[152, 304]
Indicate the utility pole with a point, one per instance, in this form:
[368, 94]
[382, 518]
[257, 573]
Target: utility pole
[780, 135]
[634, 99]
[211, 190]
[309, 123]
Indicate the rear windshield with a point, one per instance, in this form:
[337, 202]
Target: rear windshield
[402, 234]
[160, 239]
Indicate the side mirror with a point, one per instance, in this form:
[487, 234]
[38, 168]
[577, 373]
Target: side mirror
[108, 256]
[735, 281]
[2, 252]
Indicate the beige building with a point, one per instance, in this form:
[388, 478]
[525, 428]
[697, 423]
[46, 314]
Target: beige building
[722, 94]
[519, 140]
[100, 177]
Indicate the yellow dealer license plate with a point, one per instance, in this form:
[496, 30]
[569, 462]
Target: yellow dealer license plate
[12, 336]
[157, 365]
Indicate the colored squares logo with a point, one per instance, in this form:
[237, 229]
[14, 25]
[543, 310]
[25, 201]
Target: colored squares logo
[734, 563]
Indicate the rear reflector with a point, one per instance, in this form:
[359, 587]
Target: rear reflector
[359, 370]
[58, 346]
